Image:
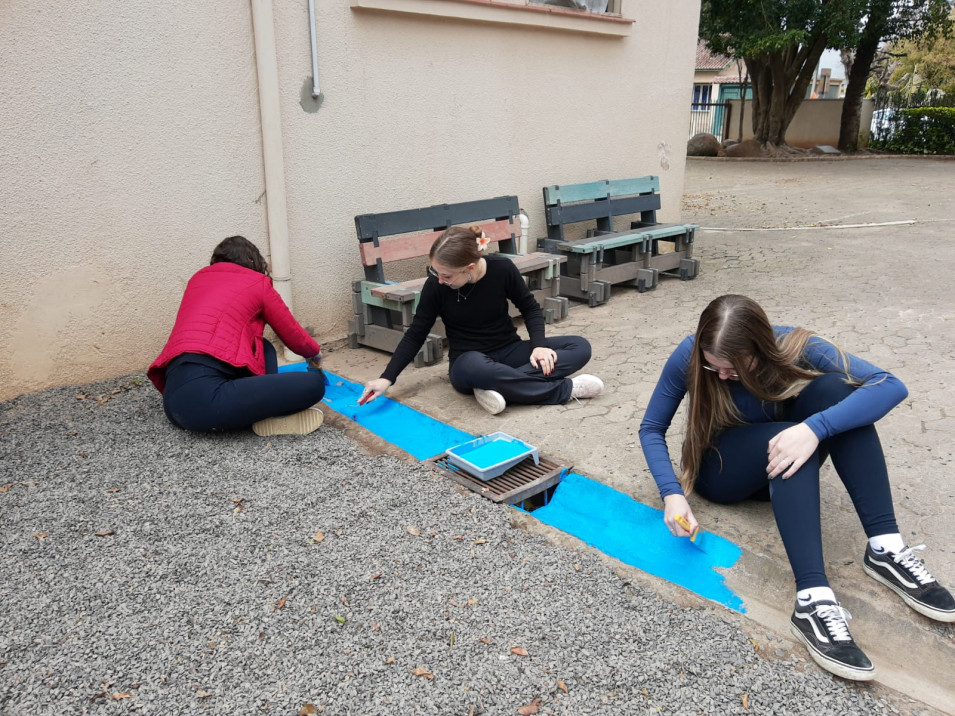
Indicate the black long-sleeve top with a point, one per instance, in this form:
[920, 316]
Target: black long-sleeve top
[476, 316]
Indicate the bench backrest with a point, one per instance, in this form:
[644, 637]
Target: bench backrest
[600, 201]
[396, 235]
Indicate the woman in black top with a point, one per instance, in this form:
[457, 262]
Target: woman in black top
[469, 290]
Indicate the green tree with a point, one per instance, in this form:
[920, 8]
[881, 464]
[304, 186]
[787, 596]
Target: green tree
[928, 62]
[781, 42]
[883, 21]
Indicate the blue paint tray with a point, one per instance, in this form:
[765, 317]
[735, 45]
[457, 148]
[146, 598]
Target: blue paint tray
[490, 456]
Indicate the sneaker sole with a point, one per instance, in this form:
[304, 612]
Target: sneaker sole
[936, 614]
[833, 667]
[301, 423]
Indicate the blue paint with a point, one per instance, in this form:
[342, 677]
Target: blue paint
[414, 432]
[634, 533]
[604, 518]
[492, 453]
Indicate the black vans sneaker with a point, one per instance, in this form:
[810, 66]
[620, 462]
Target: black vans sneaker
[905, 574]
[822, 626]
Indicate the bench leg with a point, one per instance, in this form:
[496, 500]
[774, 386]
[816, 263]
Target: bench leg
[559, 306]
[599, 293]
[689, 269]
[647, 279]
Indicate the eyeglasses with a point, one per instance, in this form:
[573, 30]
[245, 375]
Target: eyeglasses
[729, 374]
[445, 277]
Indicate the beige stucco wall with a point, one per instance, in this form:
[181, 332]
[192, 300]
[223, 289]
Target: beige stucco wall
[816, 122]
[130, 145]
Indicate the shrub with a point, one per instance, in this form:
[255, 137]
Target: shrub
[921, 130]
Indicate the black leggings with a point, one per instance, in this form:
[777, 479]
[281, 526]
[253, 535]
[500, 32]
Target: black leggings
[736, 471]
[205, 394]
[508, 370]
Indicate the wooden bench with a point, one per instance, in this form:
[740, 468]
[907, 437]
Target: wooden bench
[384, 309]
[605, 256]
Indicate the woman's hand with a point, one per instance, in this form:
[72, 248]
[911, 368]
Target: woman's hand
[677, 505]
[790, 449]
[544, 358]
[374, 389]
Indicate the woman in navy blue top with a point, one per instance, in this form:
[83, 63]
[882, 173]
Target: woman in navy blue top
[767, 405]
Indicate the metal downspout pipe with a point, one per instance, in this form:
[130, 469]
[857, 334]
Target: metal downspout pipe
[266, 65]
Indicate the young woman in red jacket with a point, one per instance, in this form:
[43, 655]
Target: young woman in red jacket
[217, 372]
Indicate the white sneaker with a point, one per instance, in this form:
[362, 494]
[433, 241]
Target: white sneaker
[492, 401]
[300, 423]
[586, 386]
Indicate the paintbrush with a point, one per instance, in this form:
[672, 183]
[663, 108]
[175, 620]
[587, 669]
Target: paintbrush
[697, 537]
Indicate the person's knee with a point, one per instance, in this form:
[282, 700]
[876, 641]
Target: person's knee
[577, 346]
[831, 385]
[585, 350]
[464, 368]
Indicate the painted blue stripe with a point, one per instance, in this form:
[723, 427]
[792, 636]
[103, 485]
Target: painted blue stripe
[634, 533]
[604, 518]
[414, 432]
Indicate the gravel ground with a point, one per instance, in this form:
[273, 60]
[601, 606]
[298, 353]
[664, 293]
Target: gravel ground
[148, 570]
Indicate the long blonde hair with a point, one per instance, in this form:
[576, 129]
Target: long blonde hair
[735, 329]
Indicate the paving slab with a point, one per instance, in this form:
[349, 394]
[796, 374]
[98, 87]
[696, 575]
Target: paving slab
[855, 250]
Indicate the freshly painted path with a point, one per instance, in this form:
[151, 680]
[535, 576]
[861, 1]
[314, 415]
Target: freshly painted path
[604, 518]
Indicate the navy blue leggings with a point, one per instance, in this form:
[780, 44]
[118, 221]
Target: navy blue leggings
[508, 370]
[205, 394]
[738, 472]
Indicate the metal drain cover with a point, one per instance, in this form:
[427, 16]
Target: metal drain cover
[517, 484]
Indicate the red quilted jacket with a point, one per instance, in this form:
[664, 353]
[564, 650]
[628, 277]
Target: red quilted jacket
[223, 314]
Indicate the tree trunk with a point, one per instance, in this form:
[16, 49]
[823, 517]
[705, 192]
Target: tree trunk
[859, 74]
[780, 82]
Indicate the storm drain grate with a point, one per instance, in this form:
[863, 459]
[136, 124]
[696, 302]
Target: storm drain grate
[519, 483]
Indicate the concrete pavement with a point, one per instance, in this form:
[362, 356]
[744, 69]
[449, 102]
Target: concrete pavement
[880, 289]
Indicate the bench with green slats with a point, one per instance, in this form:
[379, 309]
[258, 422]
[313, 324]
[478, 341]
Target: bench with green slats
[606, 254]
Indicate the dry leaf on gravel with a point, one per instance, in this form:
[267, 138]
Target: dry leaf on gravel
[105, 533]
[562, 686]
[280, 604]
[7, 487]
[413, 530]
[119, 695]
[421, 671]
[40, 535]
[318, 536]
[203, 694]
[519, 651]
[307, 710]
[532, 708]
[745, 699]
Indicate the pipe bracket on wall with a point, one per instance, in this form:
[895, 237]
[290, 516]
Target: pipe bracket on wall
[316, 91]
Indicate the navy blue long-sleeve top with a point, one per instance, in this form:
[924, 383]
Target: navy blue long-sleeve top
[879, 392]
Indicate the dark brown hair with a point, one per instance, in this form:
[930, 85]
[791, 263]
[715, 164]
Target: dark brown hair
[457, 247]
[239, 250]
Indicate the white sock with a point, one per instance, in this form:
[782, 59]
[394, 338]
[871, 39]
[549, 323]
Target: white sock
[892, 542]
[815, 594]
